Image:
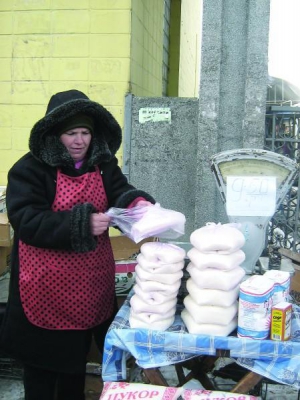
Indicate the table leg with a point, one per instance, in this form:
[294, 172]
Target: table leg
[198, 370]
[155, 377]
[199, 367]
[247, 383]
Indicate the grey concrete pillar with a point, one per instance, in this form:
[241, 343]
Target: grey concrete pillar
[233, 88]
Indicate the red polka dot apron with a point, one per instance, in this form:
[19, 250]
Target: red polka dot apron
[62, 289]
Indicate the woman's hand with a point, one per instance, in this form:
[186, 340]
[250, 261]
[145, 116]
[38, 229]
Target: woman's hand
[143, 203]
[99, 223]
[139, 209]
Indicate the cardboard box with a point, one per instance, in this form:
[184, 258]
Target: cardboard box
[124, 277]
[2, 199]
[3, 204]
[125, 254]
[6, 231]
[5, 253]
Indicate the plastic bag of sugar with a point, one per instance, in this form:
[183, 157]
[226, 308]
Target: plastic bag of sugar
[203, 394]
[137, 391]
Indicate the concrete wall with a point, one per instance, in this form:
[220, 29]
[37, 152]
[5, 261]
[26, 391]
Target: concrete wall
[162, 154]
[233, 90]
[172, 161]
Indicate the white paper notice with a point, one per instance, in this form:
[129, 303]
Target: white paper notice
[154, 114]
[251, 195]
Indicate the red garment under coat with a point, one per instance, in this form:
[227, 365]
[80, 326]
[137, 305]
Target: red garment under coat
[62, 289]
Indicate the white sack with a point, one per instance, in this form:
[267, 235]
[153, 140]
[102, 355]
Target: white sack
[148, 317]
[124, 390]
[207, 329]
[155, 322]
[225, 238]
[216, 260]
[165, 288]
[158, 222]
[162, 278]
[158, 267]
[166, 253]
[154, 297]
[213, 297]
[211, 278]
[210, 314]
[203, 394]
[138, 305]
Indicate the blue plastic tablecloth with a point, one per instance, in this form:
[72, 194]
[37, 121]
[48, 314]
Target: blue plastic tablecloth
[276, 360]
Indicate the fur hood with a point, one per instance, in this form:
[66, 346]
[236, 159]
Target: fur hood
[44, 142]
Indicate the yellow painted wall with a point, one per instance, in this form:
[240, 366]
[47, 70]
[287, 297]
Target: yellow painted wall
[48, 46]
[174, 47]
[147, 47]
[190, 48]
[105, 48]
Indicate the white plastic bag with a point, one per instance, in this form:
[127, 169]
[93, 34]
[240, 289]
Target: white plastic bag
[139, 223]
[225, 239]
[124, 390]
[194, 394]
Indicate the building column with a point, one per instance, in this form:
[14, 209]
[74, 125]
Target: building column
[233, 89]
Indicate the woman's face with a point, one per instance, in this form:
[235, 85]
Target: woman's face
[77, 142]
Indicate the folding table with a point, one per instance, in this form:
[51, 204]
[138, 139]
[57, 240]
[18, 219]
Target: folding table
[276, 360]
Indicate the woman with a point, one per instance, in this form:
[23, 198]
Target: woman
[62, 277]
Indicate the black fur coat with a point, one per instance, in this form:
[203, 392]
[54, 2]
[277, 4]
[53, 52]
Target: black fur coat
[30, 194]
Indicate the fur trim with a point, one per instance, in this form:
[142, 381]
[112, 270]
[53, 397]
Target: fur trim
[81, 237]
[45, 145]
